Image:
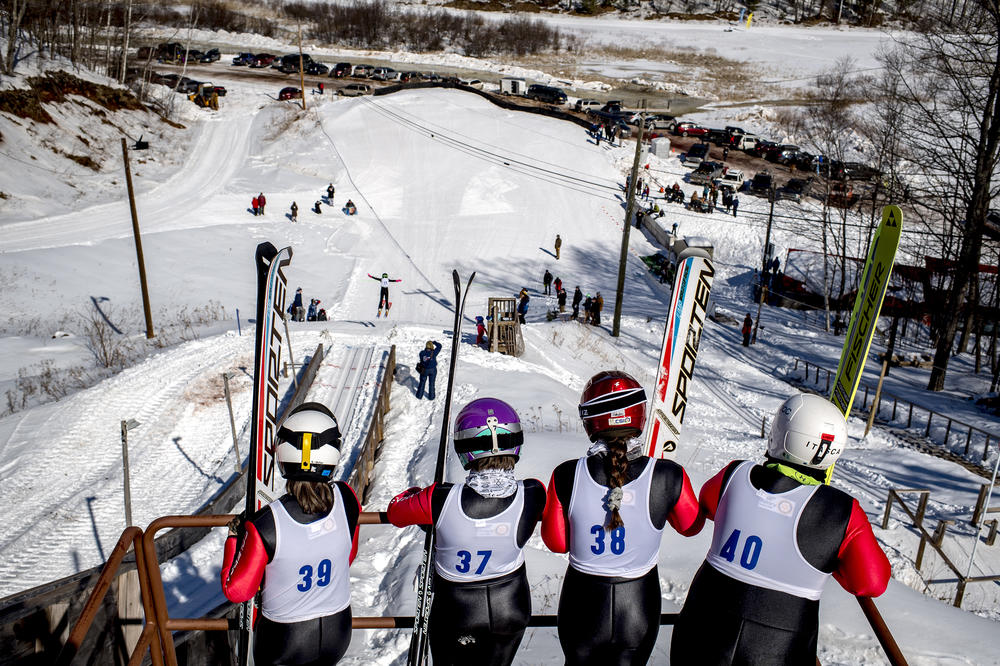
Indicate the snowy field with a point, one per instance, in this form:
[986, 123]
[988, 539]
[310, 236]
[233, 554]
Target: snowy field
[442, 180]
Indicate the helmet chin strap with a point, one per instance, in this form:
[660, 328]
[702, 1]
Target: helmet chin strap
[491, 423]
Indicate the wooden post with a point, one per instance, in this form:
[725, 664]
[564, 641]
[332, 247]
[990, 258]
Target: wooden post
[302, 73]
[877, 401]
[138, 243]
[909, 418]
[130, 613]
[232, 421]
[968, 440]
[291, 359]
[888, 509]
[927, 431]
[629, 211]
[126, 484]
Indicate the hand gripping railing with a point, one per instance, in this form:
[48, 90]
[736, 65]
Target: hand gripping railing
[156, 634]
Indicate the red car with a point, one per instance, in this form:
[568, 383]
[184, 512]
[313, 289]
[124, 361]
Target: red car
[262, 60]
[289, 93]
[689, 129]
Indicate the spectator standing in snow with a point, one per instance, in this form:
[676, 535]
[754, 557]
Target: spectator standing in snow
[557, 283]
[427, 365]
[577, 297]
[736, 203]
[320, 86]
[608, 510]
[595, 309]
[561, 297]
[296, 309]
[480, 331]
[547, 282]
[598, 132]
[295, 212]
[752, 603]
[645, 192]
[838, 325]
[330, 191]
[522, 305]
[254, 205]
[727, 200]
[725, 153]
[747, 329]
[304, 619]
[588, 303]
[311, 312]
[261, 201]
[558, 245]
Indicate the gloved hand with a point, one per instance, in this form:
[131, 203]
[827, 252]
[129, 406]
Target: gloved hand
[238, 523]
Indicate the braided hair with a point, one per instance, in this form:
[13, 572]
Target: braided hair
[616, 467]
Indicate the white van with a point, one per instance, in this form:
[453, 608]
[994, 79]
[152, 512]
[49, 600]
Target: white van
[745, 142]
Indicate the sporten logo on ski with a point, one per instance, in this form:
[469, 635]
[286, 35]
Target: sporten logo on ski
[273, 368]
[692, 340]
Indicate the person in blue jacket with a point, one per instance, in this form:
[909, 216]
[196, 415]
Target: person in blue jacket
[428, 368]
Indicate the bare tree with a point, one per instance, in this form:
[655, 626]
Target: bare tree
[13, 11]
[949, 86]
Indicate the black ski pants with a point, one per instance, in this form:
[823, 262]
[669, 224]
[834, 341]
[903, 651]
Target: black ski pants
[383, 297]
[608, 621]
[479, 623]
[318, 642]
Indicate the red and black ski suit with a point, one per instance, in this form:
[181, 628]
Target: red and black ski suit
[477, 622]
[383, 294]
[613, 619]
[299, 574]
[810, 532]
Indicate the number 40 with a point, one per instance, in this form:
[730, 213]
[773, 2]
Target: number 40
[751, 549]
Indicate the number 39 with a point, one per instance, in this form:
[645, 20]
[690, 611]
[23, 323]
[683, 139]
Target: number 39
[323, 572]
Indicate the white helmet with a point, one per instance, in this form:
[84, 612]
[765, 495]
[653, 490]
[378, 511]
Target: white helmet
[808, 430]
[308, 443]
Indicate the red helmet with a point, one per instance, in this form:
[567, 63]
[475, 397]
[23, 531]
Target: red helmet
[613, 404]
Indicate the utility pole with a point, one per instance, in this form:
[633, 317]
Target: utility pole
[629, 210]
[767, 235]
[302, 71]
[138, 244]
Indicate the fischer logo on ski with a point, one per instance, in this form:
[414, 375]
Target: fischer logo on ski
[681, 338]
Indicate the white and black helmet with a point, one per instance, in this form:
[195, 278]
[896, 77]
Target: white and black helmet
[308, 443]
[808, 430]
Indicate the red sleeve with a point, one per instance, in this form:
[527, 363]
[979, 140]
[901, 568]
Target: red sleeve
[686, 516]
[864, 570]
[357, 528]
[243, 570]
[412, 507]
[555, 529]
[711, 492]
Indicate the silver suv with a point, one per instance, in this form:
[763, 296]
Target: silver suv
[355, 90]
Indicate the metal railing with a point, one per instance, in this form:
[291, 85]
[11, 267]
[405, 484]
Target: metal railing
[156, 635]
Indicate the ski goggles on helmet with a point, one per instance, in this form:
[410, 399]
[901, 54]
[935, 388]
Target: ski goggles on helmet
[492, 439]
[613, 402]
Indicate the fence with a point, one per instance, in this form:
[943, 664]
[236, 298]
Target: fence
[156, 637]
[361, 475]
[34, 623]
[944, 431]
[935, 540]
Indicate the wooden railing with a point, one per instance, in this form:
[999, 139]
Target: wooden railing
[950, 425]
[360, 478]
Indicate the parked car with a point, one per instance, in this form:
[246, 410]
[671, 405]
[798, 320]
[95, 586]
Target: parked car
[696, 154]
[188, 86]
[289, 64]
[362, 71]
[584, 105]
[547, 94]
[706, 172]
[795, 189]
[734, 131]
[340, 70]
[761, 148]
[761, 183]
[211, 55]
[612, 106]
[802, 160]
[355, 90]
[660, 122]
[719, 137]
[243, 59]
[687, 128]
[291, 92]
[261, 60]
[317, 68]
[383, 73]
[780, 151]
[731, 178]
[745, 142]
[859, 171]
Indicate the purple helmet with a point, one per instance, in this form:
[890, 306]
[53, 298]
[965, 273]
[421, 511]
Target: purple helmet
[487, 427]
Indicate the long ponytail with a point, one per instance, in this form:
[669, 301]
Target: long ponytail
[616, 467]
[314, 497]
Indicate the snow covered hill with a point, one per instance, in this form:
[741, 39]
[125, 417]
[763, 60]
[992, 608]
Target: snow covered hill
[442, 180]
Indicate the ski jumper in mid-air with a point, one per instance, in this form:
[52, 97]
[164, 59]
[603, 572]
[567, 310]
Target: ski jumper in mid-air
[482, 601]
[608, 510]
[297, 549]
[779, 535]
[383, 294]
